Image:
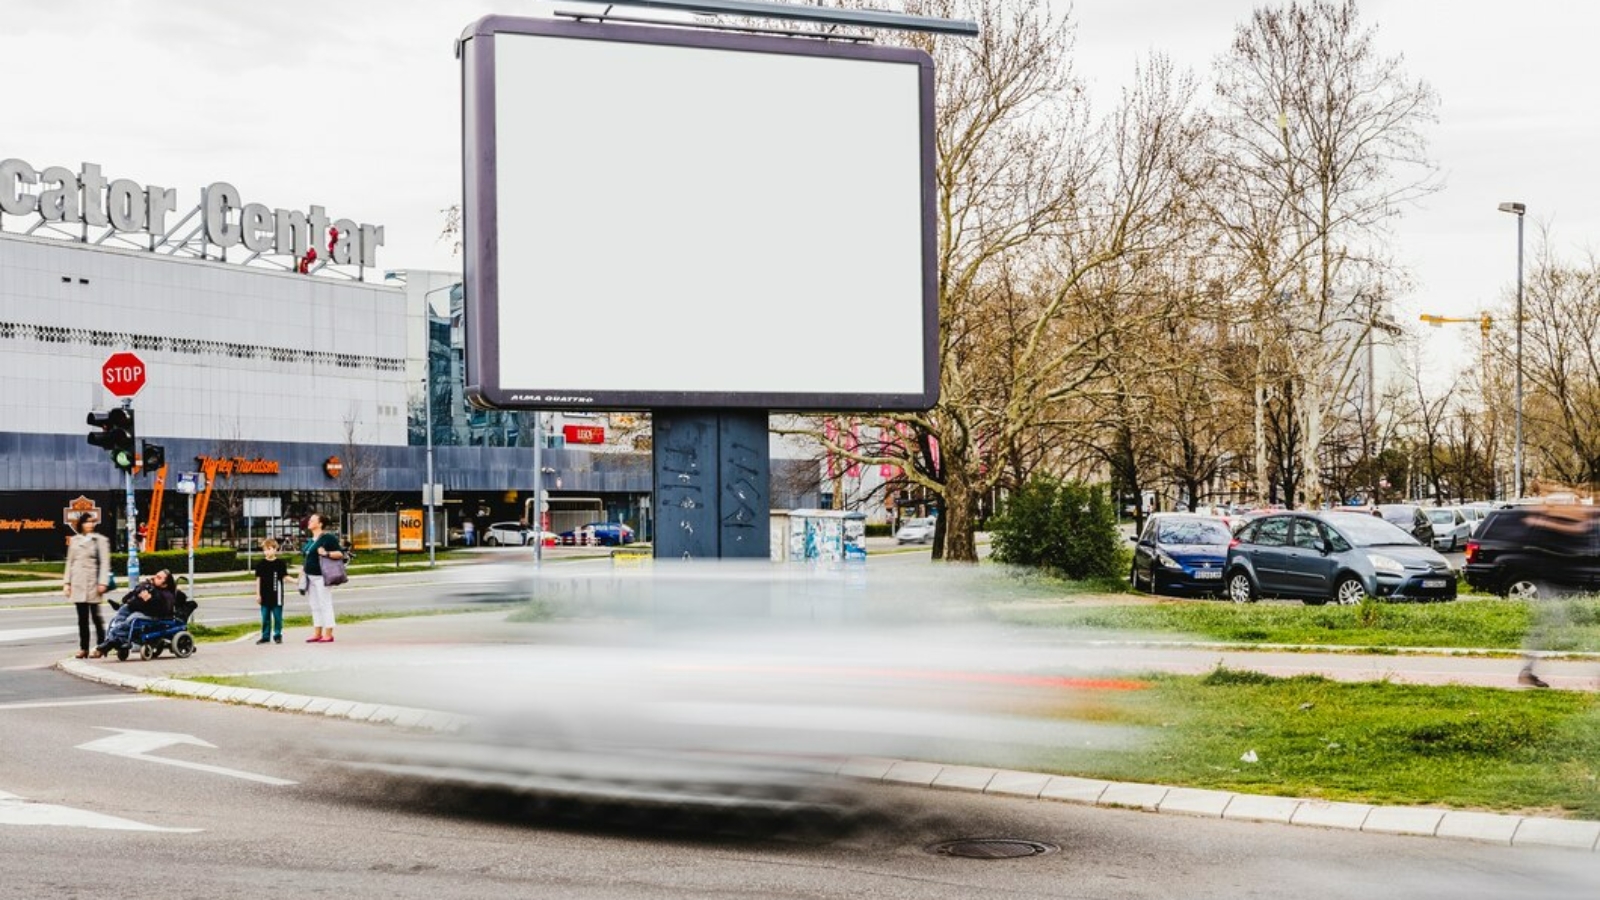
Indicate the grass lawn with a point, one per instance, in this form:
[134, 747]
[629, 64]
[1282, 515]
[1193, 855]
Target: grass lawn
[1489, 624]
[1478, 748]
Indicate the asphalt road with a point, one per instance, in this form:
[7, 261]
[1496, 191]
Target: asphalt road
[184, 798]
[323, 835]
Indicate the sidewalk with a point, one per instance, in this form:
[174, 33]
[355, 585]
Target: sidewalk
[403, 642]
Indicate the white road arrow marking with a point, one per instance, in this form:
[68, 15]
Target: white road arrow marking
[139, 744]
[16, 810]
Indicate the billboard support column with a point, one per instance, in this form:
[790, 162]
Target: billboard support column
[713, 497]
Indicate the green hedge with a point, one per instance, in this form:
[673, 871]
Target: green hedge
[206, 559]
[884, 530]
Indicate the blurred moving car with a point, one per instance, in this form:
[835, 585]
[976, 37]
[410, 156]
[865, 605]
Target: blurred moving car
[1451, 527]
[1180, 552]
[1338, 556]
[497, 578]
[916, 531]
[1532, 553]
[691, 690]
[603, 534]
[1410, 518]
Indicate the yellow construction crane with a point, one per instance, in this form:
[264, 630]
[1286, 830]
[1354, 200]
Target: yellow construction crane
[1484, 321]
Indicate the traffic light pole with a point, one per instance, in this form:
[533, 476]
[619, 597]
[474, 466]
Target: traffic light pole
[133, 520]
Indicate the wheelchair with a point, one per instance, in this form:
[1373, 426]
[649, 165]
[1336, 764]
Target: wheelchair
[152, 637]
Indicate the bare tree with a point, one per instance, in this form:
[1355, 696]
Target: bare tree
[1321, 145]
[359, 463]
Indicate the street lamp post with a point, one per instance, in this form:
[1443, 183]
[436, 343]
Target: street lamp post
[427, 405]
[1518, 210]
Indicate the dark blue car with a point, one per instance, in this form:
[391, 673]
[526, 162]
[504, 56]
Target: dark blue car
[1180, 553]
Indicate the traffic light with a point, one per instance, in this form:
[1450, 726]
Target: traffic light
[116, 435]
[152, 457]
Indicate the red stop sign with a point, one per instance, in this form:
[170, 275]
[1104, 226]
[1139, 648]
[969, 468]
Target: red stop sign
[123, 374]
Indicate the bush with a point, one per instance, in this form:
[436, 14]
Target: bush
[1065, 526]
[206, 559]
[876, 530]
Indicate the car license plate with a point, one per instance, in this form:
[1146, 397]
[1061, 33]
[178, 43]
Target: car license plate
[1434, 582]
[1203, 574]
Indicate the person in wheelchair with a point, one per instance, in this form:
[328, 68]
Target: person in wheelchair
[155, 598]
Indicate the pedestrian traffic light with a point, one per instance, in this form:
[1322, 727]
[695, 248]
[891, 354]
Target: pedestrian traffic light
[152, 457]
[116, 435]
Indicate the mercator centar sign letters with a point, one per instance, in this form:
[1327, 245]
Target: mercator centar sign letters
[60, 196]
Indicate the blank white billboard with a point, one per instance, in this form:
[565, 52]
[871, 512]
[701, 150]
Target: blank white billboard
[664, 217]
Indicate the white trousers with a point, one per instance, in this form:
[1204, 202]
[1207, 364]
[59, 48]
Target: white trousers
[320, 596]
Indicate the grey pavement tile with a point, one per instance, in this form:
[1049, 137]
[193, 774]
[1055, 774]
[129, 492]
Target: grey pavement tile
[1195, 802]
[1070, 789]
[410, 718]
[964, 778]
[1478, 826]
[1330, 814]
[1403, 820]
[227, 694]
[361, 712]
[275, 700]
[385, 714]
[200, 689]
[1260, 808]
[317, 705]
[1133, 796]
[907, 772]
[255, 697]
[338, 709]
[869, 767]
[294, 702]
[1557, 833]
[1017, 784]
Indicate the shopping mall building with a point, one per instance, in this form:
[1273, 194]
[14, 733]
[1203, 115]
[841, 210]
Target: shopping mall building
[280, 359]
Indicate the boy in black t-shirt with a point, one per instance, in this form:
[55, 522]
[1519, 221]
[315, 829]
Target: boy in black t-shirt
[270, 574]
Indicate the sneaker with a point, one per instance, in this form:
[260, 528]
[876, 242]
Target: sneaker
[1526, 677]
[277, 639]
[262, 641]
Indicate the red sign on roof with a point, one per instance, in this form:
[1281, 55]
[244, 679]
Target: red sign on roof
[584, 434]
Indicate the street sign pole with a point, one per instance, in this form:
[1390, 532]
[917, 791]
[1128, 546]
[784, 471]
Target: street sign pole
[133, 523]
[192, 592]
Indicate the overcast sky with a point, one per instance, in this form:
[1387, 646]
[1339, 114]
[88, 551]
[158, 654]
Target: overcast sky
[354, 106]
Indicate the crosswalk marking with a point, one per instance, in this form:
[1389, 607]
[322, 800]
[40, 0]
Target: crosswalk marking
[28, 634]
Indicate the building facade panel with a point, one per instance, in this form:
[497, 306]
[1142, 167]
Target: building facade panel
[230, 351]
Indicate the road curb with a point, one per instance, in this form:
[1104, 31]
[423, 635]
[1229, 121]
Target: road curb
[1417, 821]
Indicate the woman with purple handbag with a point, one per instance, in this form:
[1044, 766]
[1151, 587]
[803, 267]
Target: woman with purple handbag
[324, 563]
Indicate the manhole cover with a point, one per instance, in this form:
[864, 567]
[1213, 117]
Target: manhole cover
[992, 848]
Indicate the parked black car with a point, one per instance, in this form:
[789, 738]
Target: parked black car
[1180, 552]
[1411, 519]
[1530, 552]
[1337, 556]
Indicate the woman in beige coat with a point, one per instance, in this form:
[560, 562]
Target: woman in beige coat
[87, 576]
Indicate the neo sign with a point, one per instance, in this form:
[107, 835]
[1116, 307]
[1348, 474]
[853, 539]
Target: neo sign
[123, 374]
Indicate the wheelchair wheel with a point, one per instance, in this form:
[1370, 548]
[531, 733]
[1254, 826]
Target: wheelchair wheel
[182, 644]
[147, 652]
[157, 653]
[122, 653]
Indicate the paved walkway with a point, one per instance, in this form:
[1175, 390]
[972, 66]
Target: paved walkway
[393, 642]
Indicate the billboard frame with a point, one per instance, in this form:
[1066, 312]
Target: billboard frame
[480, 225]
